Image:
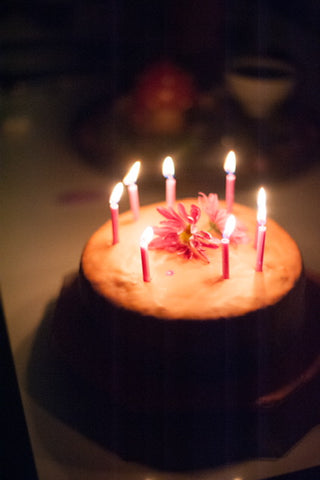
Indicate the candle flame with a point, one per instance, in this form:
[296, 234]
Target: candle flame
[146, 237]
[262, 208]
[133, 173]
[116, 194]
[230, 162]
[168, 167]
[229, 226]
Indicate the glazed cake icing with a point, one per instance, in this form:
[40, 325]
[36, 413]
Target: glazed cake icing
[189, 289]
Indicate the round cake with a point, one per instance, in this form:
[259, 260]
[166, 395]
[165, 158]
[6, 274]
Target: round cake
[189, 355]
[181, 339]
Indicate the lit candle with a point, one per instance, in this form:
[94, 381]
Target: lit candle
[230, 168]
[114, 208]
[228, 229]
[168, 172]
[130, 181]
[261, 212]
[145, 239]
[261, 232]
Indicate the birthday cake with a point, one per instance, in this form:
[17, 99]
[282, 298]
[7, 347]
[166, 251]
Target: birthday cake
[190, 353]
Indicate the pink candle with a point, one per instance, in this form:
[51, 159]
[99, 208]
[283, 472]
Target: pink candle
[146, 238]
[225, 257]
[168, 172]
[230, 168]
[228, 229]
[261, 212]
[260, 247]
[114, 209]
[130, 181]
[134, 200]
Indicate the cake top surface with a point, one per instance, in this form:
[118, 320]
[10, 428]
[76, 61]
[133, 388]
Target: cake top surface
[182, 288]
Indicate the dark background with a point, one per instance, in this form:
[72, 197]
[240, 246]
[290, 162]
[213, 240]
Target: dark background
[119, 37]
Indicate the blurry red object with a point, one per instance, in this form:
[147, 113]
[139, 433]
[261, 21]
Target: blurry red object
[164, 92]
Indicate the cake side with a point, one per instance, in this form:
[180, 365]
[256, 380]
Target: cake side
[177, 437]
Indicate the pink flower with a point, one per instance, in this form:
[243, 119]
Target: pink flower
[218, 217]
[178, 233]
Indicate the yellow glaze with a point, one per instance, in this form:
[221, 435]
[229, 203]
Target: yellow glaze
[195, 290]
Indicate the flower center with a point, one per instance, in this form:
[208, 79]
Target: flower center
[186, 234]
[215, 228]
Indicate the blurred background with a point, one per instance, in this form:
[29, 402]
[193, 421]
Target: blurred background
[119, 37]
[110, 43]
